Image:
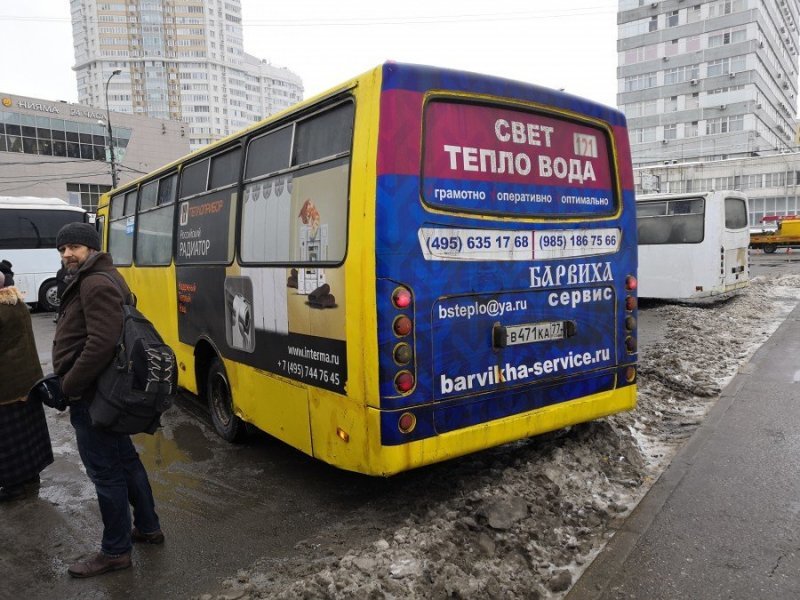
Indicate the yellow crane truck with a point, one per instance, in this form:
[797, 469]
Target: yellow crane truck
[786, 236]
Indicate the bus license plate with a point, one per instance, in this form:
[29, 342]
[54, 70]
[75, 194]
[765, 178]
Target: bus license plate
[529, 333]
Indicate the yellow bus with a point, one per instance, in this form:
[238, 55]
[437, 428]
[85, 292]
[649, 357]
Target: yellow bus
[417, 264]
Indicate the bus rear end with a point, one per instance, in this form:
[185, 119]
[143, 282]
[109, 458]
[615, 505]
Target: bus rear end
[735, 241]
[692, 247]
[505, 256]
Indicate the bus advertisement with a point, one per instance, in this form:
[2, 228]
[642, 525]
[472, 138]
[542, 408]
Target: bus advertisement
[413, 266]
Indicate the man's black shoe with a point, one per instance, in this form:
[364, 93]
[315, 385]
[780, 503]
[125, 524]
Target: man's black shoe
[156, 537]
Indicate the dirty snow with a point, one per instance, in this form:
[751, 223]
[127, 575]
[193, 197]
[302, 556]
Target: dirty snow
[524, 520]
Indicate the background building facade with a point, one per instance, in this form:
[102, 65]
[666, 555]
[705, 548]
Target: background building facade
[709, 88]
[179, 60]
[771, 183]
[708, 80]
[60, 150]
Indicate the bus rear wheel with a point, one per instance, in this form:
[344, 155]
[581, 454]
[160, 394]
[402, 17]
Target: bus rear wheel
[770, 248]
[48, 296]
[220, 404]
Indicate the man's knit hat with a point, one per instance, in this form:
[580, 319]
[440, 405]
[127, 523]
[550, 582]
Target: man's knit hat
[78, 233]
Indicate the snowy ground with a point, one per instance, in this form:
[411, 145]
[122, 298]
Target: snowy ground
[524, 520]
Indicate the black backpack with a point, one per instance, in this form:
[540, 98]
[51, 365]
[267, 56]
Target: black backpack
[141, 381]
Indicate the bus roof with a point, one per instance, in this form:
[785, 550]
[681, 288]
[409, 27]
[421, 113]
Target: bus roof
[651, 197]
[423, 72]
[32, 202]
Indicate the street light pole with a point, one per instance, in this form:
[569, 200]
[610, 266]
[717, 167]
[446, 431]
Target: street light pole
[110, 134]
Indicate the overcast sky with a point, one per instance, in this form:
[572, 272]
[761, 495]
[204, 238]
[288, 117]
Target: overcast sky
[568, 44]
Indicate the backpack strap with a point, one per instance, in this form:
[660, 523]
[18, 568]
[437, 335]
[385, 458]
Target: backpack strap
[130, 300]
[119, 354]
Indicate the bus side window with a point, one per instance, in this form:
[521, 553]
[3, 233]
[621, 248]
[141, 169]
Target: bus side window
[148, 196]
[269, 153]
[324, 135]
[677, 232]
[194, 178]
[166, 189]
[117, 206]
[653, 230]
[207, 203]
[685, 229]
[225, 169]
[298, 215]
[680, 207]
[100, 224]
[694, 230]
[154, 222]
[120, 236]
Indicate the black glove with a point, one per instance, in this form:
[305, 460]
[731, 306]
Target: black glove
[48, 391]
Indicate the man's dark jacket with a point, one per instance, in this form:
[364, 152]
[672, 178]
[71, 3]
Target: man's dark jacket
[89, 326]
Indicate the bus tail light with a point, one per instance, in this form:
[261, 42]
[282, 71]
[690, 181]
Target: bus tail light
[407, 422]
[631, 304]
[401, 297]
[402, 354]
[402, 326]
[631, 283]
[630, 374]
[404, 381]
[399, 370]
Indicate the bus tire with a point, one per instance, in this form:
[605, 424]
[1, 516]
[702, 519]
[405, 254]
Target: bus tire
[770, 248]
[48, 296]
[220, 403]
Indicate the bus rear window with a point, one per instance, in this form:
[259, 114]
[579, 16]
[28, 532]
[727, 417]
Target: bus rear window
[494, 160]
[735, 213]
[670, 222]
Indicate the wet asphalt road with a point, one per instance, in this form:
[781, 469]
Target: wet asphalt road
[222, 506]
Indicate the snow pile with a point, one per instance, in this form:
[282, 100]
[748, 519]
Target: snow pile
[523, 520]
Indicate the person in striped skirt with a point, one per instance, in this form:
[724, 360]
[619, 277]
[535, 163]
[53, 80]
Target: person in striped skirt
[25, 448]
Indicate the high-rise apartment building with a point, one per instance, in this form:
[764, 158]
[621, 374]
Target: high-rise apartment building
[179, 60]
[708, 79]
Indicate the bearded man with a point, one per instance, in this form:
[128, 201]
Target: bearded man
[89, 326]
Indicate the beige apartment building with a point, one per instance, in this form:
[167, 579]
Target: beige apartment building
[180, 60]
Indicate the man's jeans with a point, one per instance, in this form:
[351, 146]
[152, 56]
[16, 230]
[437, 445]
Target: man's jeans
[113, 465]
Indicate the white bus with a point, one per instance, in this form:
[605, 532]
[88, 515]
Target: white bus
[692, 246]
[28, 228]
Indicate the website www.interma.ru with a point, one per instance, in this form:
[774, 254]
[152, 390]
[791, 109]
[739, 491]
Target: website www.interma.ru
[311, 354]
[495, 374]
